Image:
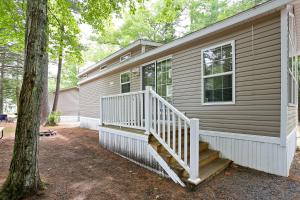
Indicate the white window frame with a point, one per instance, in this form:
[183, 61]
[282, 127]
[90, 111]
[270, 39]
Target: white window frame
[122, 58]
[294, 73]
[126, 72]
[232, 72]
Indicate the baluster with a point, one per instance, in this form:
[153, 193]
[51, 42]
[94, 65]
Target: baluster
[164, 121]
[168, 118]
[185, 143]
[174, 131]
[109, 110]
[179, 137]
[137, 104]
[154, 114]
[128, 110]
[142, 108]
[158, 118]
[135, 110]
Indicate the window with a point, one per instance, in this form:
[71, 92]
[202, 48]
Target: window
[218, 78]
[125, 82]
[293, 63]
[125, 57]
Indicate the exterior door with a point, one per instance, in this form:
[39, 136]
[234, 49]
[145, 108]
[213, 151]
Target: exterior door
[158, 75]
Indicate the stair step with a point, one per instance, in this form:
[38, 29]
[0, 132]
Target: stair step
[207, 157]
[213, 168]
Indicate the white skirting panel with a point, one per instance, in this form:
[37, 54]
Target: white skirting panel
[90, 123]
[129, 145]
[291, 147]
[69, 119]
[258, 152]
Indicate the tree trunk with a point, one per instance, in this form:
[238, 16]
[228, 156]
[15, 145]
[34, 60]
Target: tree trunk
[58, 77]
[1, 87]
[44, 103]
[24, 178]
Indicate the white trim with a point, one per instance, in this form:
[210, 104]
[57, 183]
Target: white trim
[165, 166]
[261, 10]
[89, 122]
[284, 76]
[69, 118]
[125, 133]
[128, 71]
[164, 58]
[239, 136]
[119, 52]
[232, 72]
[127, 54]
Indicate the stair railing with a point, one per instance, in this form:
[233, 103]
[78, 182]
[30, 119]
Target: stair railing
[124, 110]
[178, 134]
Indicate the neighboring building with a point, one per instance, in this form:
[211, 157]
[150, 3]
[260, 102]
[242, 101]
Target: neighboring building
[234, 82]
[68, 104]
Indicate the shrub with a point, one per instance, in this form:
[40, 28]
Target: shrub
[53, 118]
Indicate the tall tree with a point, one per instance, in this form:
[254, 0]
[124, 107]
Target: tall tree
[24, 178]
[64, 40]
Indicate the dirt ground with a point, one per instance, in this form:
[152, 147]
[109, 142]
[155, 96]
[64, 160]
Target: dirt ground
[75, 167]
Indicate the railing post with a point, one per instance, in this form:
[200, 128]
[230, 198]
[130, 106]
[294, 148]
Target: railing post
[194, 151]
[147, 110]
[101, 112]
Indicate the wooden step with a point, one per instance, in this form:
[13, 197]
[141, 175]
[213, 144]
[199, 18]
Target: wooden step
[209, 162]
[213, 168]
[207, 157]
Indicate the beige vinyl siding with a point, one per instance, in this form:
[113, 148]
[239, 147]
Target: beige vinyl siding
[292, 118]
[297, 15]
[134, 52]
[257, 107]
[90, 92]
[68, 102]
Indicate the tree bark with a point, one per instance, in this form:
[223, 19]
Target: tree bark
[58, 77]
[1, 87]
[44, 103]
[24, 178]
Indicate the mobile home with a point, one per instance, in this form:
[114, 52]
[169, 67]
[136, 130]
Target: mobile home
[228, 92]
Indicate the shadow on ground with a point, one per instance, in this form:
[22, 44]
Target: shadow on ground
[74, 166]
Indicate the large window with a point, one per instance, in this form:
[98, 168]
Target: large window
[218, 65]
[125, 82]
[293, 63]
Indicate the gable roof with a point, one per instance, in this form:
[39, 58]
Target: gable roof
[257, 11]
[120, 52]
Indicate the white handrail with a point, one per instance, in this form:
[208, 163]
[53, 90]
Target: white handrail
[170, 106]
[165, 119]
[148, 111]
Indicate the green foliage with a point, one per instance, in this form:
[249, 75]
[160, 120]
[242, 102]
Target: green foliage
[206, 12]
[156, 22]
[63, 32]
[12, 24]
[98, 12]
[53, 118]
